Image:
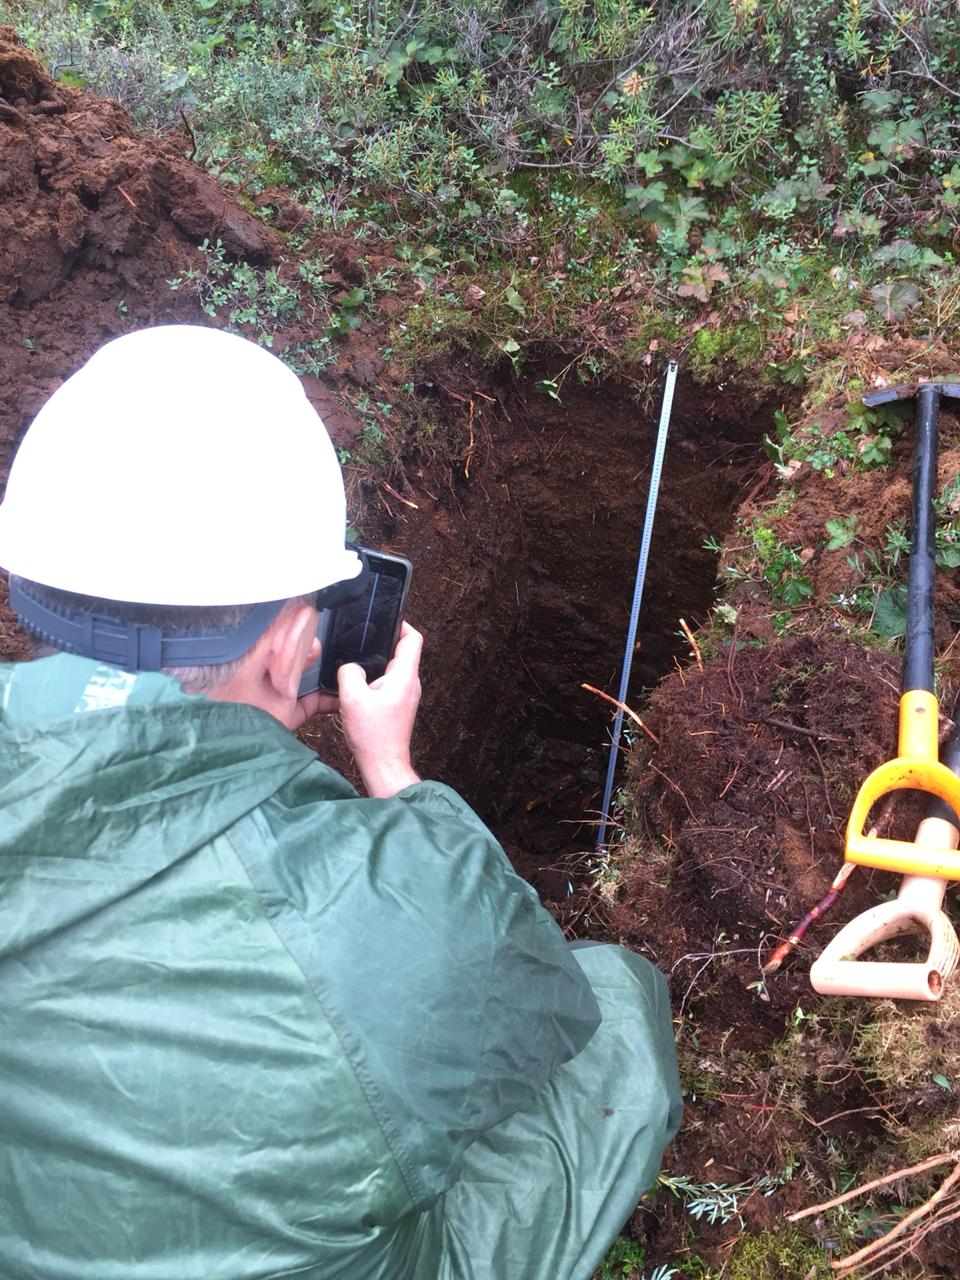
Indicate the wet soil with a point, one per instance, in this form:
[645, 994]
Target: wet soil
[525, 548]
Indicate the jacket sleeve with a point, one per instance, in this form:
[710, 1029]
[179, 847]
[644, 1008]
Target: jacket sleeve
[450, 987]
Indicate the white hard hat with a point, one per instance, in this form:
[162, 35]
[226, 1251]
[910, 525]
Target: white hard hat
[182, 466]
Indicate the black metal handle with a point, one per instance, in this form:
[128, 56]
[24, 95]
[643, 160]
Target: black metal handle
[918, 648]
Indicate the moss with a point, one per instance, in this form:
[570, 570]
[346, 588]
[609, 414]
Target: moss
[782, 1255]
[740, 345]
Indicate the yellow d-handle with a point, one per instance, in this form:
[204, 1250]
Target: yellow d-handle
[916, 768]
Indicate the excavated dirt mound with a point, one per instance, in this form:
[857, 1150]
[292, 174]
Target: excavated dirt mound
[94, 220]
[738, 817]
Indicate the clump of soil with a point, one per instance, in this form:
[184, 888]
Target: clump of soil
[759, 758]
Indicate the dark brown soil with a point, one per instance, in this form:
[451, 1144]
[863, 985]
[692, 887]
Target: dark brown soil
[526, 558]
[525, 549]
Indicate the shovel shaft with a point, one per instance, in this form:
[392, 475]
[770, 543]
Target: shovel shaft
[918, 649]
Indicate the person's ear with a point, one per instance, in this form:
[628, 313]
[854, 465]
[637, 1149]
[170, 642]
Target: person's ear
[293, 647]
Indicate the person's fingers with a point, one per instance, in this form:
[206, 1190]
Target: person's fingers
[328, 704]
[351, 681]
[318, 703]
[406, 656]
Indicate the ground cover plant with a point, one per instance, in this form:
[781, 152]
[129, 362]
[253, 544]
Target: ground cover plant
[477, 231]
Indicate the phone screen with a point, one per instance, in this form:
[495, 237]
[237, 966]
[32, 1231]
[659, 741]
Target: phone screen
[364, 630]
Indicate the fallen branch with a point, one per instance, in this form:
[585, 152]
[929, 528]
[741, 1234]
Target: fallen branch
[930, 1163]
[625, 709]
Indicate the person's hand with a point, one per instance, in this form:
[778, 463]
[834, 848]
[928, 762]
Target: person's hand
[318, 703]
[378, 717]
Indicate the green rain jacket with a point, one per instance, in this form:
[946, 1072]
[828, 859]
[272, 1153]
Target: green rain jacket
[254, 1026]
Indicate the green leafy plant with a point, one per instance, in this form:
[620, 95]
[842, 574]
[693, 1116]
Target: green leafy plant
[842, 531]
[249, 299]
[715, 1201]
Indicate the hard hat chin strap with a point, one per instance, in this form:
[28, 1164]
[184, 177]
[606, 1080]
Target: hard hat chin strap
[138, 646]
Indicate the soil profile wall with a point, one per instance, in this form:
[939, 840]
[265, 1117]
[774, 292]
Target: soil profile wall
[525, 569]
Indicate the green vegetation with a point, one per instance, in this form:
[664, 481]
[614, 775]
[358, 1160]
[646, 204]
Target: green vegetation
[625, 1261]
[787, 172]
[781, 1255]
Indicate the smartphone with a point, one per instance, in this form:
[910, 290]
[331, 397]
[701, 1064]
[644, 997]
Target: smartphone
[364, 630]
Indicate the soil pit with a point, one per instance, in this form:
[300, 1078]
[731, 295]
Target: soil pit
[525, 562]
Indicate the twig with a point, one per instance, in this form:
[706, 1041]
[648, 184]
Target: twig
[189, 129]
[822, 907]
[948, 1212]
[470, 446]
[732, 682]
[731, 779]
[625, 709]
[848, 1264]
[670, 783]
[826, 786]
[798, 728]
[930, 1163]
[132, 203]
[393, 493]
[698, 657]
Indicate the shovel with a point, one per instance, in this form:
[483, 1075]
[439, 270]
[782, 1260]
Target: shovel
[932, 859]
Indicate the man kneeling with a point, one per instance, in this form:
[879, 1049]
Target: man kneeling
[254, 1025]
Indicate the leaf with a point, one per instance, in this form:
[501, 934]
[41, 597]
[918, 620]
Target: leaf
[941, 1080]
[653, 192]
[842, 532]
[796, 590]
[649, 162]
[893, 301]
[890, 614]
[699, 279]
[513, 299]
[547, 387]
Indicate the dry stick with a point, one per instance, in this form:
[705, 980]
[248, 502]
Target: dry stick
[193, 136]
[930, 1163]
[698, 657]
[850, 1262]
[625, 709]
[826, 786]
[892, 1253]
[732, 682]
[470, 446]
